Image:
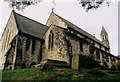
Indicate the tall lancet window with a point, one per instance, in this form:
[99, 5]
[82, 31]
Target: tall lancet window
[27, 43]
[51, 40]
[33, 46]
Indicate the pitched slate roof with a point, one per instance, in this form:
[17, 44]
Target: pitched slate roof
[70, 25]
[30, 26]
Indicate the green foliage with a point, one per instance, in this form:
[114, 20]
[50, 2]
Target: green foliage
[88, 61]
[86, 4]
[118, 64]
[97, 72]
[63, 74]
[47, 67]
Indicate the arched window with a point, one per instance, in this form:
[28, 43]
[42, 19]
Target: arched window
[81, 46]
[70, 50]
[19, 49]
[107, 59]
[91, 49]
[97, 54]
[51, 40]
[103, 55]
[27, 44]
[33, 45]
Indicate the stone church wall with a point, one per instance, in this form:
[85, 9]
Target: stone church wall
[75, 50]
[22, 50]
[23, 58]
[75, 43]
[9, 33]
[59, 50]
[9, 55]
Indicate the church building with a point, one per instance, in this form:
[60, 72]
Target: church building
[25, 43]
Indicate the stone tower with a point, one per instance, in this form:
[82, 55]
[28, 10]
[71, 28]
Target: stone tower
[104, 38]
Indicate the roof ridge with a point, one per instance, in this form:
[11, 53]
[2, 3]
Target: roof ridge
[92, 37]
[30, 26]
[49, 17]
[74, 24]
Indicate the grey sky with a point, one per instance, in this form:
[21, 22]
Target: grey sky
[91, 21]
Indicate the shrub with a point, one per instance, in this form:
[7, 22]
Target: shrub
[47, 67]
[88, 61]
[97, 72]
[118, 64]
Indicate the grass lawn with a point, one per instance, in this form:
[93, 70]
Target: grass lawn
[60, 74]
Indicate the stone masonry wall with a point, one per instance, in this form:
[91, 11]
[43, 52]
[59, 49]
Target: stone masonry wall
[75, 43]
[9, 55]
[28, 57]
[9, 33]
[23, 58]
[59, 50]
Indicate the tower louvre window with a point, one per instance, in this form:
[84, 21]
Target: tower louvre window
[104, 37]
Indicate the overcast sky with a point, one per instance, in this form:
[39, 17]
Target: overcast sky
[70, 10]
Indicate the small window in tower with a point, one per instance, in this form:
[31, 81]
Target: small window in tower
[104, 37]
[27, 44]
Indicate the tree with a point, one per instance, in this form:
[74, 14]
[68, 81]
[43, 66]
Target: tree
[88, 61]
[86, 4]
[92, 4]
[118, 64]
[22, 4]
